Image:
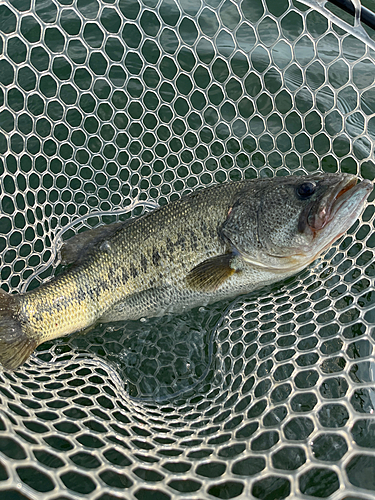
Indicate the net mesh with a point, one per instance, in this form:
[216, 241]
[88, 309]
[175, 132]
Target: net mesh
[110, 107]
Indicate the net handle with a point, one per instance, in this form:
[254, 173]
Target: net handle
[366, 15]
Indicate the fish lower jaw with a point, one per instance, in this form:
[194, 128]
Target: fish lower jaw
[283, 264]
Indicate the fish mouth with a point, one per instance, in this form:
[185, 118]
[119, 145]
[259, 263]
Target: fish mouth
[346, 198]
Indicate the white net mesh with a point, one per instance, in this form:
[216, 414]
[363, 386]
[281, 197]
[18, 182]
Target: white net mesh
[104, 103]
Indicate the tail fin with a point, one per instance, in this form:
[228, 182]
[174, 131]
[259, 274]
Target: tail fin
[15, 345]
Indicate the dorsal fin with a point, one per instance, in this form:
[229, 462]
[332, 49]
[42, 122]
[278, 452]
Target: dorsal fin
[79, 246]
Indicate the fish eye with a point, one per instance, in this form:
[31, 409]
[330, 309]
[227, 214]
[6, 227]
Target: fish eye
[306, 190]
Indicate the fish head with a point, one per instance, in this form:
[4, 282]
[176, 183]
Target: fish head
[284, 223]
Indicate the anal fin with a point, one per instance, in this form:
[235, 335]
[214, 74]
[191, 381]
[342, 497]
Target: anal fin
[210, 274]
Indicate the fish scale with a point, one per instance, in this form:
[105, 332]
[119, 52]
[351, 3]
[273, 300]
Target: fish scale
[213, 244]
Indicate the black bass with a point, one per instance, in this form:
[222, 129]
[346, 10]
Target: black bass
[213, 244]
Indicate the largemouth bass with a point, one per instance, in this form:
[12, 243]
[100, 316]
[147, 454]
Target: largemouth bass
[215, 243]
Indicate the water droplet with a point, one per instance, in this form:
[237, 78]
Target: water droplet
[105, 246]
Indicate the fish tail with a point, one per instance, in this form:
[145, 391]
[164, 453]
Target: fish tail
[15, 344]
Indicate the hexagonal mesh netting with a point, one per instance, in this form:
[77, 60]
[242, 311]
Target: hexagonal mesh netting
[108, 102]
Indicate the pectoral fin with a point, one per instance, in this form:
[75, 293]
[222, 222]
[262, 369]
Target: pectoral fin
[210, 274]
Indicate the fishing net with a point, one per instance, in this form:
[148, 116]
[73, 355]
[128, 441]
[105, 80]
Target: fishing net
[112, 107]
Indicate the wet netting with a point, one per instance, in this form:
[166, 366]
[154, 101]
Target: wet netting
[109, 108]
